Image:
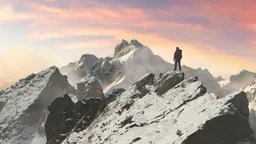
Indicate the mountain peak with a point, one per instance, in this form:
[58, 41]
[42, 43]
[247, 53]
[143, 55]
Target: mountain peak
[120, 47]
[87, 57]
[136, 43]
[23, 106]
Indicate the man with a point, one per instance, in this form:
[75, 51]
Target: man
[177, 58]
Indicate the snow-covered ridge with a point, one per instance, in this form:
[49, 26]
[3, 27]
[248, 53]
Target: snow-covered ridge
[23, 105]
[238, 81]
[185, 113]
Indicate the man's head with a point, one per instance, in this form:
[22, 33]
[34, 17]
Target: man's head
[177, 48]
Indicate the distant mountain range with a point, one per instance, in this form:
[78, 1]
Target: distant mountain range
[238, 81]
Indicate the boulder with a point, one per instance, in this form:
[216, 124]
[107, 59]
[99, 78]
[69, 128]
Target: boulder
[168, 81]
[66, 117]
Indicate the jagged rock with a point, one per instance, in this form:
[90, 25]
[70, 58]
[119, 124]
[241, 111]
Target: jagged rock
[136, 43]
[168, 81]
[184, 114]
[65, 70]
[103, 70]
[66, 116]
[113, 94]
[1, 105]
[81, 69]
[141, 85]
[25, 105]
[206, 77]
[85, 64]
[89, 87]
[251, 95]
[219, 78]
[120, 47]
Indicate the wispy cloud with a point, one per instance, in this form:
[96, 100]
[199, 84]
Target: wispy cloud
[216, 32]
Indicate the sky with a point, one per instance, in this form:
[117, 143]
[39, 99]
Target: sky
[219, 35]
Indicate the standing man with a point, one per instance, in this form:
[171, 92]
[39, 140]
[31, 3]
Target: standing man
[177, 58]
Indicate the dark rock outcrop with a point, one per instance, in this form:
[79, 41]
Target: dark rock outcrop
[104, 70]
[66, 116]
[168, 81]
[230, 128]
[113, 94]
[136, 43]
[89, 87]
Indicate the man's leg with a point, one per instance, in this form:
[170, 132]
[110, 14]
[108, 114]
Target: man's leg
[179, 65]
[175, 68]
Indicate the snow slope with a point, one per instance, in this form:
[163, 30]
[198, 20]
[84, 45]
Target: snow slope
[23, 106]
[186, 113]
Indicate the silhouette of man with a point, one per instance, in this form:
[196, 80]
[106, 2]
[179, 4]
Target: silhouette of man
[177, 58]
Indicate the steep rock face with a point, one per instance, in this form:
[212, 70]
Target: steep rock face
[24, 105]
[251, 91]
[130, 67]
[66, 116]
[113, 95]
[81, 69]
[168, 81]
[238, 81]
[105, 71]
[185, 113]
[65, 70]
[89, 87]
[120, 47]
[251, 95]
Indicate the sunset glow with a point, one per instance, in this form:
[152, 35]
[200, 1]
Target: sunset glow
[219, 35]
